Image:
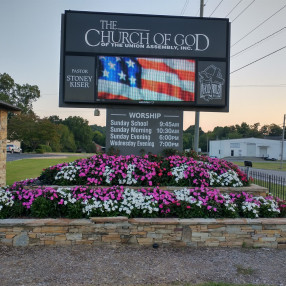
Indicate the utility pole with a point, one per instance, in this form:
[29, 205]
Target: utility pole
[282, 141]
[197, 118]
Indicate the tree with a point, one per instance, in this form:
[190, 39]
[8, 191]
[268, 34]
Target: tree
[18, 95]
[66, 140]
[275, 130]
[99, 138]
[82, 133]
[188, 137]
[33, 131]
[55, 119]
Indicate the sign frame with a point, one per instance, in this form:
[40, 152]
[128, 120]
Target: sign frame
[209, 105]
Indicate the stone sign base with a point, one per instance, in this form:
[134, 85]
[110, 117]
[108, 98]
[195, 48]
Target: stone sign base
[116, 231]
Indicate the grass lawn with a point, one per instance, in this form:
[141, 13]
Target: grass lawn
[32, 168]
[265, 165]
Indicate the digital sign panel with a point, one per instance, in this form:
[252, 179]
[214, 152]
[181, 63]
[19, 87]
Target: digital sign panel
[146, 79]
[111, 60]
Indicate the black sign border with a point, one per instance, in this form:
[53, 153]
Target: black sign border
[185, 106]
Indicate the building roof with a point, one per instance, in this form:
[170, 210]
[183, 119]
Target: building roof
[9, 107]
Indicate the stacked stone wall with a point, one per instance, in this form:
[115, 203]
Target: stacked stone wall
[117, 231]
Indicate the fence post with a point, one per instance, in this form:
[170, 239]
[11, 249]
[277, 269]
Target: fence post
[269, 183]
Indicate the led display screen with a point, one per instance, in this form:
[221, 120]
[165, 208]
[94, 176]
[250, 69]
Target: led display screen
[145, 79]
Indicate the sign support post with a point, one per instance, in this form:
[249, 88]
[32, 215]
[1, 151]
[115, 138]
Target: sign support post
[197, 116]
[282, 142]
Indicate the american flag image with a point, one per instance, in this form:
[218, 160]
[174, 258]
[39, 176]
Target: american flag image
[151, 79]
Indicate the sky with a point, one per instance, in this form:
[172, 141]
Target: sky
[30, 53]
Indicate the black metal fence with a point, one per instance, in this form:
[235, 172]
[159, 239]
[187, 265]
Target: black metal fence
[275, 184]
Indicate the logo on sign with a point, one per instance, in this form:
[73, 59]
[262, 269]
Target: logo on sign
[211, 83]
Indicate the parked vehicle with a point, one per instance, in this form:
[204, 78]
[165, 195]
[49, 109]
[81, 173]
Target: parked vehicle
[270, 159]
[11, 148]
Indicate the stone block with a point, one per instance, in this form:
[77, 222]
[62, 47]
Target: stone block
[109, 238]
[54, 229]
[10, 235]
[215, 226]
[144, 233]
[50, 242]
[233, 229]
[7, 241]
[84, 242]
[164, 231]
[212, 243]
[200, 234]
[73, 236]
[145, 241]
[37, 229]
[21, 239]
[187, 234]
[35, 241]
[60, 237]
[154, 235]
[267, 239]
[108, 219]
[18, 229]
[147, 228]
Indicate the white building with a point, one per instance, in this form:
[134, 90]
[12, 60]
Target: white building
[247, 147]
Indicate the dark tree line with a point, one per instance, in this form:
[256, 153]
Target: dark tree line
[72, 134]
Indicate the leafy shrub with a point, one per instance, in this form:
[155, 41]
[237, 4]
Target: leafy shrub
[43, 148]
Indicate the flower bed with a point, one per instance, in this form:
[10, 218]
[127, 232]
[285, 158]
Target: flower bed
[149, 170]
[194, 197]
[82, 202]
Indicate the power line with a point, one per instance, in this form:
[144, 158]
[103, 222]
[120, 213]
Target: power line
[185, 7]
[261, 85]
[233, 8]
[259, 25]
[216, 7]
[243, 11]
[258, 60]
[259, 41]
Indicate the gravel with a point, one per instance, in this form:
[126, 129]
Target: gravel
[90, 265]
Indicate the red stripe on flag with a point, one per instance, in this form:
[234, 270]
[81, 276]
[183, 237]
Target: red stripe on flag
[160, 66]
[106, 95]
[168, 89]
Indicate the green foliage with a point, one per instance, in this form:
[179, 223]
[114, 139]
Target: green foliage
[169, 152]
[66, 142]
[98, 128]
[192, 154]
[48, 175]
[82, 132]
[32, 131]
[43, 208]
[73, 210]
[113, 151]
[17, 210]
[99, 138]
[18, 95]
[43, 148]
